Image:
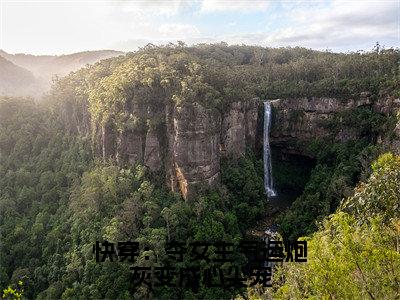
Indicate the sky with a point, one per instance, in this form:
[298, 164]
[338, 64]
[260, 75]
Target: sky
[62, 26]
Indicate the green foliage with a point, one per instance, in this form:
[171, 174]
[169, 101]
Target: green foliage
[243, 178]
[291, 174]
[339, 166]
[346, 261]
[362, 119]
[355, 252]
[386, 160]
[382, 192]
[56, 201]
[338, 169]
[16, 294]
[38, 165]
[121, 204]
[217, 75]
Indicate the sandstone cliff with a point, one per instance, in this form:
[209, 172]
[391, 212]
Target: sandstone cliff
[185, 142]
[298, 121]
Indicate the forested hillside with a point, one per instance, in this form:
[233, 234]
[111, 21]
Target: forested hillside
[42, 69]
[14, 78]
[60, 193]
[355, 252]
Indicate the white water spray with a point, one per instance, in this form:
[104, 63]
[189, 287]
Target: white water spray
[268, 182]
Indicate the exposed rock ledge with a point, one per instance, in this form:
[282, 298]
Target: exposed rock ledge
[298, 121]
[188, 143]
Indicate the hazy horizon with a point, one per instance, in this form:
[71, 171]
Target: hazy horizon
[41, 27]
[372, 46]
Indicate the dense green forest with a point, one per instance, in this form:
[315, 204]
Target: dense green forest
[58, 197]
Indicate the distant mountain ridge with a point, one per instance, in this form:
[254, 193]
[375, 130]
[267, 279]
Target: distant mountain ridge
[31, 75]
[13, 77]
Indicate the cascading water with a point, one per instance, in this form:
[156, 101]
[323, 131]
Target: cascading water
[268, 182]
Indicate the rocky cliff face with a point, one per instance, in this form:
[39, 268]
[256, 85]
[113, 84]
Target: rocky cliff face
[187, 141]
[298, 121]
[239, 127]
[194, 138]
[390, 106]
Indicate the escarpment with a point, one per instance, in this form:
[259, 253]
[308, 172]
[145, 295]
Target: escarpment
[298, 121]
[178, 110]
[193, 147]
[186, 142]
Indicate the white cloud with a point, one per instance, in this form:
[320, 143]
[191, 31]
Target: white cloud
[344, 23]
[154, 7]
[177, 30]
[62, 27]
[233, 5]
[339, 26]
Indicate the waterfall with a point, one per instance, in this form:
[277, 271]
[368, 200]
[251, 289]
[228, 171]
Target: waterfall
[268, 182]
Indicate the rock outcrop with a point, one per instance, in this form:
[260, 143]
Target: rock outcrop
[239, 127]
[187, 142]
[194, 146]
[390, 106]
[298, 121]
